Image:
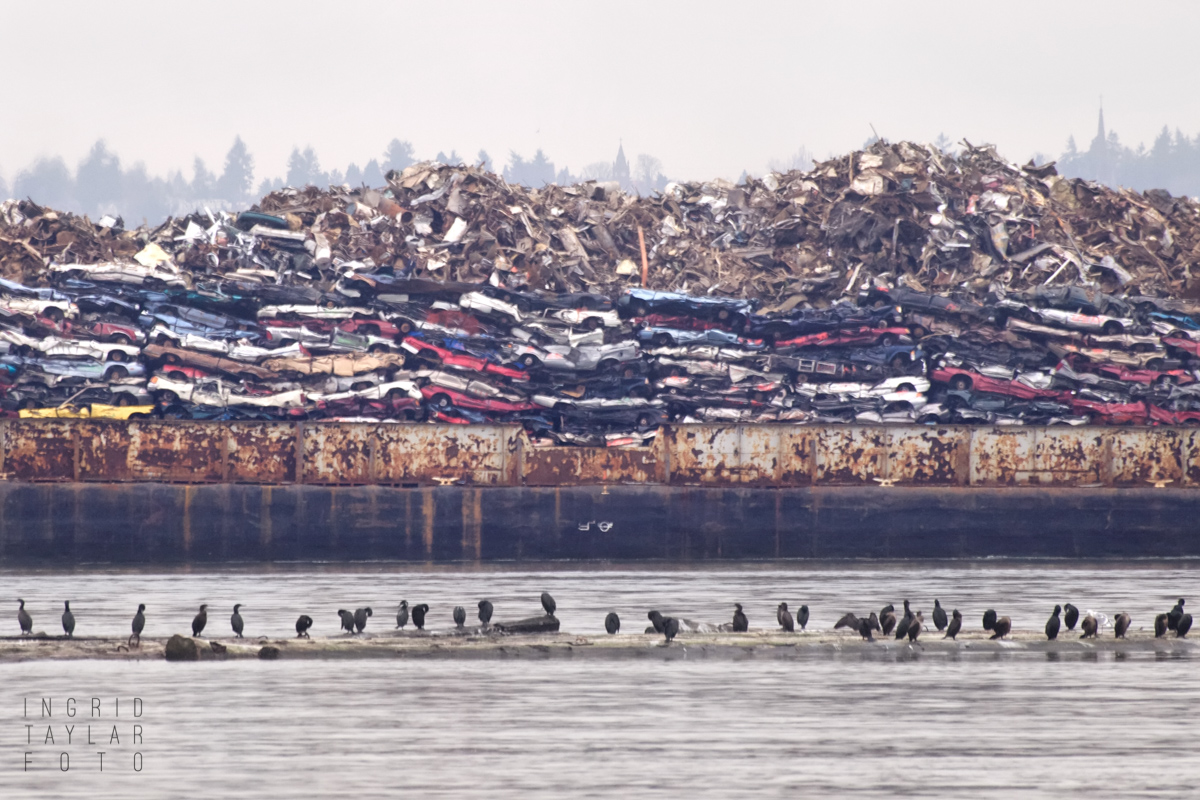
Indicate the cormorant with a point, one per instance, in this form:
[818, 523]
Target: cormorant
[939, 616]
[612, 623]
[887, 619]
[418, 615]
[785, 619]
[1185, 625]
[360, 618]
[1160, 626]
[460, 616]
[68, 619]
[955, 625]
[867, 625]
[1122, 624]
[1053, 624]
[1174, 614]
[802, 617]
[914, 630]
[139, 623]
[904, 623]
[347, 620]
[402, 614]
[740, 623]
[485, 612]
[200, 620]
[670, 628]
[989, 619]
[1070, 616]
[848, 620]
[1001, 628]
[656, 619]
[24, 618]
[302, 626]
[548, 604]
[1088, 626]
[236, 621]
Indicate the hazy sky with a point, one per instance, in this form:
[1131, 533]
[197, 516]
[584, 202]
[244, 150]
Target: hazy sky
[711, 88]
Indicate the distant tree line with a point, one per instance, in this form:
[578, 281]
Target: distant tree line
[100, 185]
[1171, 163]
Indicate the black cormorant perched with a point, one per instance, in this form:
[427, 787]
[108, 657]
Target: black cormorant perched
[867, 625]
[1174, 614]
[955, 625]
[200, 620]
[914, 630]
[460, 616]
[236, 621]
[785, 619]
[740, 623]
[802, 617]
[612, 623]
[1122, 625]
[989, 619]
[402, 614]
[360, 618]
[68, 619]
[904, 623]
[347, 620]
[1053, 624]
[670, 628]
[302, 626]
[485, 612]
[887, 619]
[1001, 628]
[418, 615]
[1184, 625]
[1088, 626]
[1070, 616]
[548, 604]
[939, 616]
[24, 618]
[139, 624]
[656, 619]
[1160, 626]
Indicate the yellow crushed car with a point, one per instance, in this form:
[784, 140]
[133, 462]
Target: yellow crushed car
[91, 411]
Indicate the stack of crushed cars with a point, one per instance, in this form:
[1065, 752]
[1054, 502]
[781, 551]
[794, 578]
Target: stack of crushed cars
[895, 285]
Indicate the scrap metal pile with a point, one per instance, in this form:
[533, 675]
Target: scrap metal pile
[896, 284]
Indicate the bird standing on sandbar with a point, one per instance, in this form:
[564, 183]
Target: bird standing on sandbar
[887, 619]
[1070, 616]
[785, 619]
[955, 625]
[360, 618]
[139, 624]
[347, 618]
[939, 616]
[1121, 625]
[24, 618]
[1160, 626]
[670, 628]
[1088, 626]
[905, 621]
[302, 625]
[1001, 628]
[485, 612]
[235, 621]
[460, 616]
[1183, 626]
[200, 620]
[740, 623]
[418, 615]
[402, 615]
[914, 630]
[1053, 624]
[612, 623]
[656, 620]
[548, 604]
[989, 619]
[1174, 614]
[68, 619]
[802, 617]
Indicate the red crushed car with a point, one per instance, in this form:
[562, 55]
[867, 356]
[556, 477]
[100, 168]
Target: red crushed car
[883, 336]
[451, 358]
[1109, 413]
[964, 380]
[1149, 377]
[1164, 417]
[677, 323]
[442, 397]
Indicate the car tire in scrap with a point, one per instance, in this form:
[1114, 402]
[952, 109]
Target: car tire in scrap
[960, 383]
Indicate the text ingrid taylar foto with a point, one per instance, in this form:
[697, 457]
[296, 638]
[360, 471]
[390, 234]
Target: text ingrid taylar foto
[91, 734]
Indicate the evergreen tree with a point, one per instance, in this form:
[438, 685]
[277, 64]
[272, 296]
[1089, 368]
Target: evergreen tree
[304, 169]
[484, 160]
[3, 189]
[354, 175]
[397, 156]
[98, 181]
[372, 175]
[48, 182]
[204, 183]
[237, 179]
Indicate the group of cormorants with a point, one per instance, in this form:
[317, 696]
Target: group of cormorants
[908, 625]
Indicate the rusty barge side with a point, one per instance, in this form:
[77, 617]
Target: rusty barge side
[158, 492]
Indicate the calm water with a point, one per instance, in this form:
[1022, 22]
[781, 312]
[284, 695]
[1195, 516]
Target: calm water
[988, 726]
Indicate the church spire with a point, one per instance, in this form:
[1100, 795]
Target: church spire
[621, 168]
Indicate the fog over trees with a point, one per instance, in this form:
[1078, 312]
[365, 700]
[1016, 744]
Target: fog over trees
[102, 184]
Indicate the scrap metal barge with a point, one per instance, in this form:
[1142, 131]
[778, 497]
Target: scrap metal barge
[78, 491]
